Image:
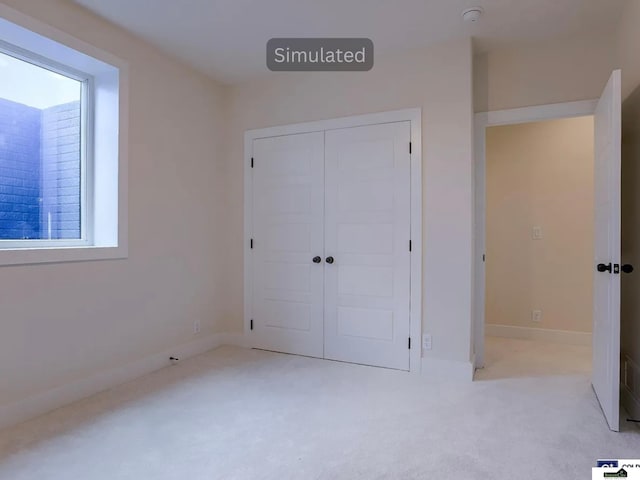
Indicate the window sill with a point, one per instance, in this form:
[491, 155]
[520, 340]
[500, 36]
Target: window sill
[28, 256]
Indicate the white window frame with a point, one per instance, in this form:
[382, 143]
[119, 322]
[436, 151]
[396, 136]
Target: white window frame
[103, 156]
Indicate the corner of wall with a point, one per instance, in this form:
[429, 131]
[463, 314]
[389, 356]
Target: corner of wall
[440, 370]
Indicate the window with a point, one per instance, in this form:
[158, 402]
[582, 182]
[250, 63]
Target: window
[43, 145]
[63, 171]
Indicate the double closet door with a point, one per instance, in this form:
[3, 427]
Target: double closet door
[331, 251]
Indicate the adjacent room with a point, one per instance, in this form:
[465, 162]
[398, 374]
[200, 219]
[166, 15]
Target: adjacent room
[319, 240]
[539, 248]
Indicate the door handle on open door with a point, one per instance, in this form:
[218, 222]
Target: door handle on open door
[329, 260]
[317, 259]
[604, 268]
[627, 268]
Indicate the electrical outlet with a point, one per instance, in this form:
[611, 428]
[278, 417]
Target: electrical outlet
[426, 342]
[536, 316]
[536, 233]
[196, 327]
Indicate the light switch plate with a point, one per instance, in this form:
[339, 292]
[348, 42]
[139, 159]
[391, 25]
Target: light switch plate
[536, 233]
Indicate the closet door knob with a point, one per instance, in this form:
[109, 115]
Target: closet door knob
[329, 260]
[626, 268]
[317, 259]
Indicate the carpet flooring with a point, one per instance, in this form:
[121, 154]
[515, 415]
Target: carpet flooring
[245, 414]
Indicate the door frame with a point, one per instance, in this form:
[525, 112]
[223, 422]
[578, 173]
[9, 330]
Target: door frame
[412, 115]
[482, 121]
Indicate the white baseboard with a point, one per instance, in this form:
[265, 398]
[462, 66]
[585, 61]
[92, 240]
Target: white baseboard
[541, 334]
[437, 369]
[49, 400]
[235, 339]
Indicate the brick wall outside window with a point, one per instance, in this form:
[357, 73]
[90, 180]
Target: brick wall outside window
[39, 171]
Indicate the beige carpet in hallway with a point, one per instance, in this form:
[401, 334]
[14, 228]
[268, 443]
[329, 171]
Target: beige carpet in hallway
[515, 358]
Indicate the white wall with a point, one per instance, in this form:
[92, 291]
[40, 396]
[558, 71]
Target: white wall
[627, 41]
[565, 70]
[540, 174]
[66, 322]
[438, 80]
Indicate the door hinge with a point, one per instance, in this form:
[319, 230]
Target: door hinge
[251, 162]
[483, 257]
[409, 245]
[251, 324]
[251, 243]
[409, 343]
[409, 147]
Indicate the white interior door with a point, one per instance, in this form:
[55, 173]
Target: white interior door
[288, 232]
[606, 306]
[367, 232]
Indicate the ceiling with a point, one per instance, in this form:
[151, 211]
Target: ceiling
[226, 38]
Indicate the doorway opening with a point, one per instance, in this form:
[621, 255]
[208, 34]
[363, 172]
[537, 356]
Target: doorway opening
[607, 135]
[539, 231]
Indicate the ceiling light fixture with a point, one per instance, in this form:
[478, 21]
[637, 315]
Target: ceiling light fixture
[472, 15]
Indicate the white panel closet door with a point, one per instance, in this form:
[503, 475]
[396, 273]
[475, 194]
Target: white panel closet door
[606, 303]
[367, 232]
[288, 198]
